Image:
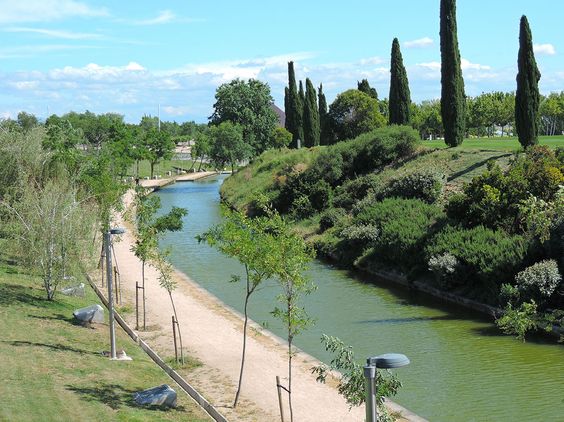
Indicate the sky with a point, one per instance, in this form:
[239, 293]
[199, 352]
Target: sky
[132, 57]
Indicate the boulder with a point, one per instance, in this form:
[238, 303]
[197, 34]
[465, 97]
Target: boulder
[74, 290]
[93, 313]
[162, 395]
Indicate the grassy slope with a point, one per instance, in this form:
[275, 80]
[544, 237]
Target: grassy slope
[52, 369]
[498, 143]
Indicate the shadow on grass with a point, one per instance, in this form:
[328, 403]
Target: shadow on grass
[475, 166]
[59, 347]
[11, 294]
[114, 396]
[59, 317]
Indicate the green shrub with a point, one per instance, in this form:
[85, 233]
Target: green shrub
[539, 281]
[330, 218]
[403, 225]
[301, 207]
[424, 185]
[487, 258]
[518, 321]
[354, 190]
[320, 195]
[444, 267]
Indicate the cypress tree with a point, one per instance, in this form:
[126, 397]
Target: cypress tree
[323, 125]
[295, 108]
[286, 106]
[527, 96]
[453, 100]
[365, 87]
[400, 98]
[311, 116]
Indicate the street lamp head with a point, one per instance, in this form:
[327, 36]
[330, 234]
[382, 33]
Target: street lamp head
[117, 230]
[388, 361]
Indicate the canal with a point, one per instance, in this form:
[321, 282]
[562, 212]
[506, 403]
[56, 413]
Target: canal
[461, 368]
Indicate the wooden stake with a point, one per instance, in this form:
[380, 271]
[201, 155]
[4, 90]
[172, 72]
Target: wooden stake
[174, 335]
[279, 387]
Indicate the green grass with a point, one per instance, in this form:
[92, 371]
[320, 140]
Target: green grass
[162, 167]
[52, 369]
[497, 143]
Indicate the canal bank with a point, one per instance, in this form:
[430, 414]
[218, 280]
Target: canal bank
[461, 369]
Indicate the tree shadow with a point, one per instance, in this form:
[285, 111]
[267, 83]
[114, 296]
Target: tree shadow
[56, 347]
[11, 294]
[393, 321]
[59, 317]
[115, 396]
[475, 166]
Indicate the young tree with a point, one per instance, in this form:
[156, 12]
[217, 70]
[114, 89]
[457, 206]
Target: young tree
[453, 100]
[150, 228]
[249, 105]
[159, 146]
[252, 242]
[364, 86]
[400, 98]
[202, 147]
[323, 118]
[311, 117]
[527, 97]
[294, 121]
[228, 145]
[291, 261]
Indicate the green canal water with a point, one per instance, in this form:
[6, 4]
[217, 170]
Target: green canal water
[461, 368]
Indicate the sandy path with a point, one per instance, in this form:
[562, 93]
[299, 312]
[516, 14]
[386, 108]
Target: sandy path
[211, 332]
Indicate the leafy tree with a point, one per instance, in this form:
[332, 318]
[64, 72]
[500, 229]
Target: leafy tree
[159, 146]
[294, 116]
[527, 96]
[552, 113]
[400, 98]
[518, 321]
[254, 244]
[364, 86]
[323, 117]
[352, 383]
[202, 147]
[150, 228]
[291, 260]
[427, 119]
[27, 121]
[453, 102]
[311, 117]
[281, 138]
[352, 113]
[249, 105]
[228, 146]
[62, 140]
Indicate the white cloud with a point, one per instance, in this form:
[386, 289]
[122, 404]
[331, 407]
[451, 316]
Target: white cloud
[176, 111]
[12, 11]
[68, 35]
[419, 43]
[24, 85]
[545, 49]
[467, 65]
[165, 16]
[96, 72]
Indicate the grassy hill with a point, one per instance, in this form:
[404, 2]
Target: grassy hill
[52, 368]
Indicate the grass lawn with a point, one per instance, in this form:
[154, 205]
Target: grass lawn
[162, 167]
[497, 143]
[52, 369]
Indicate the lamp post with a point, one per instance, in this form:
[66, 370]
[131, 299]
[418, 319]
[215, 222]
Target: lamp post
[386, 361]
[107, 246]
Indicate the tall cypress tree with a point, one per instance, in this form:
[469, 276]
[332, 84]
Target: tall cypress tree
[311, 116]
[323, 121]
[365, 87]
[400, 98]
[453, 100]
[295, 108]
[286, 106]
[527, 96]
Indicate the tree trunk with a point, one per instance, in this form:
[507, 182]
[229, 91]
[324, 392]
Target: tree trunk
[177, 323]
[143, 283]
[290, 338]
[249, 291]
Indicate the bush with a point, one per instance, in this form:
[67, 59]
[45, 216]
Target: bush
[425, 185]
[330, 218]
[539, 281]
[487, 258]
[518, 321]
[301, 207]
[404, 225]
[354, 190]
[444, 267]
[320, 195]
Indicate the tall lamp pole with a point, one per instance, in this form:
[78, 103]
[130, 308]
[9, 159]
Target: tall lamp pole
[109, 269]
[386, 361]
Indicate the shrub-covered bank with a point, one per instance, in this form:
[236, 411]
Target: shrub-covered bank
[486, 225]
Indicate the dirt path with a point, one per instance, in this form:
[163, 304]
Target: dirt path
[211, 332]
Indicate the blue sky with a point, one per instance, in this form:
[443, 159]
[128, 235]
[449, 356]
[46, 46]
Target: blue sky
[129, 57]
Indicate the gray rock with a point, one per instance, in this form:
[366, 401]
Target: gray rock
[93, 313]
[162, 395]
[74, 290]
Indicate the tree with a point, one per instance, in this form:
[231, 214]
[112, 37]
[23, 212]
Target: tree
[311, 117]
[291, 261]
[249, 105]
[27, 121]
[353, 112]
[227, 145]
[453, 101]
[294, 117]
[254, 244]
[427, 119]
[323, 118]
[400, 98]
[364, 86]
[202, 147]
[552, 113]
[281, 138]
[159, 146]
[150, 228]
[527, 96]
